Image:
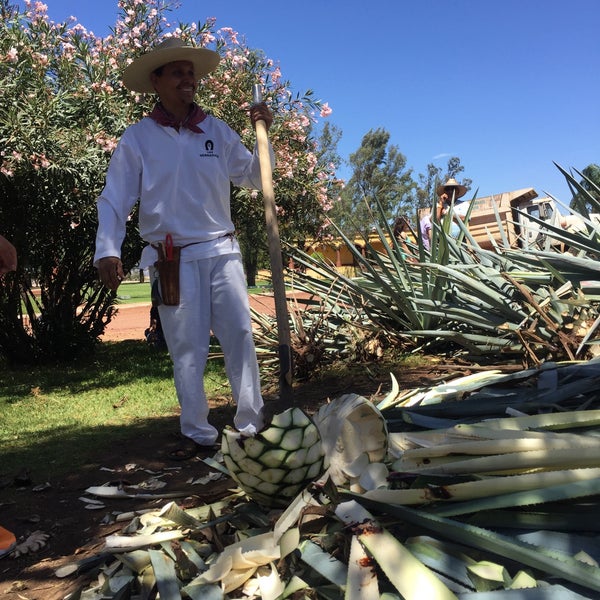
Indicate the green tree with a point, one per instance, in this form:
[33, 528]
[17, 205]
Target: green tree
[379, 174]
[327, 152]
[62, 110]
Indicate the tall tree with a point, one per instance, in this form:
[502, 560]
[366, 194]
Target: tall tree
[327, 150]
[379, 175]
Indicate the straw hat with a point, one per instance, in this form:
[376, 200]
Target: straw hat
[136, 76]
[452, 185]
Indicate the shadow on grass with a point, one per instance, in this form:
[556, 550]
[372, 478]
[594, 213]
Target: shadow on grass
[69, 449]
[68, 446]
[113, 364]
[75, 449]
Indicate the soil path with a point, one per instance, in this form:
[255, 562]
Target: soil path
[131, 320]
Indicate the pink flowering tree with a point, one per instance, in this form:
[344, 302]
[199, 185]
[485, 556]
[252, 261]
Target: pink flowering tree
[62, 110]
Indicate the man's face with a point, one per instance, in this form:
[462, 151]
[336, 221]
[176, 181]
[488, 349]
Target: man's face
[450, 193]
[177, 83]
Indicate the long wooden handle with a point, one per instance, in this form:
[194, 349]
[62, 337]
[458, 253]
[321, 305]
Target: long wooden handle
[281, 311]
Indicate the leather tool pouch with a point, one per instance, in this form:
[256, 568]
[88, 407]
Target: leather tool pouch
[167, 266]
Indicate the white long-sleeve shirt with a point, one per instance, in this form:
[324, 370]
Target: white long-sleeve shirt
[182, 180]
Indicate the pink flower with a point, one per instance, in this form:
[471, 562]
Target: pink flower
[12, 55]
[325, 110]
[276, 75]
[230, 33]
[41, 58]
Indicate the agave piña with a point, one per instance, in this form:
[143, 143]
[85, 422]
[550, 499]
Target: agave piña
[278, 462]
[348, 436]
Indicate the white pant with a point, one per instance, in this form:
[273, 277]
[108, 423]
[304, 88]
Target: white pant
[213, 297]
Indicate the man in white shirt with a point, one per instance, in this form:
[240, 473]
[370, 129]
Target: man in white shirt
[179, 162]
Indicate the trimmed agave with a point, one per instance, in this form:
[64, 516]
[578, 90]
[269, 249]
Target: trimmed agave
[278, 462]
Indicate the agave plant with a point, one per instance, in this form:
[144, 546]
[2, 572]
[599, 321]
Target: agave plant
[322, 332]
[460, 298]
[293, 449]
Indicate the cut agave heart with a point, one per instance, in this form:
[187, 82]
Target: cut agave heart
[276, 464]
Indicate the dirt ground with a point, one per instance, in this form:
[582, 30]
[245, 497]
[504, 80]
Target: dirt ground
[77, 531]
[132, 319]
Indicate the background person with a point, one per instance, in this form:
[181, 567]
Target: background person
[180, 163]
[451, 191]
[448, 194]
[425, 227]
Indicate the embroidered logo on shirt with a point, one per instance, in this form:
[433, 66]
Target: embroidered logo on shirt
[209, 147]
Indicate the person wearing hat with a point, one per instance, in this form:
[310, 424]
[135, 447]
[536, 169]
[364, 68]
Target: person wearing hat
[447, 193]
[180, 162]
[451, 191]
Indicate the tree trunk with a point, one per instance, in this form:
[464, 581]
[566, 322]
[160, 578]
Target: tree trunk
[250, 266]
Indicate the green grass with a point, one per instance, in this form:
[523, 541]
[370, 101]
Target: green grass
[130, 292]
[55, 419]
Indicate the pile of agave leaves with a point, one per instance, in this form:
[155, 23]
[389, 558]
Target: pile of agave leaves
[530, 304]
[486, 486]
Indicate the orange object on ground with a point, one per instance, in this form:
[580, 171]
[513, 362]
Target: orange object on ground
[7, 541]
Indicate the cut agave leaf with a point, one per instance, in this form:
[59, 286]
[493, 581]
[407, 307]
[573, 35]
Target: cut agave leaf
[283, 420]
[273, 435]
[374, 476]
[311, 436]
[553, 562]
[273, 457]
[297, 474]
[487, 576]
[407, 574]
[362, 581]
[297, 459]
[254, 447]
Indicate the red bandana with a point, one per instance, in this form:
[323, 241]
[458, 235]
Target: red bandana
[166, 119]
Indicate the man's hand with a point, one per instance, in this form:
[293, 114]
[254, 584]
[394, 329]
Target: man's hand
[261, 112]
[110, 271]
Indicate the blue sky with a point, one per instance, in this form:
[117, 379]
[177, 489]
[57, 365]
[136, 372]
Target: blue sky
[509, 86]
